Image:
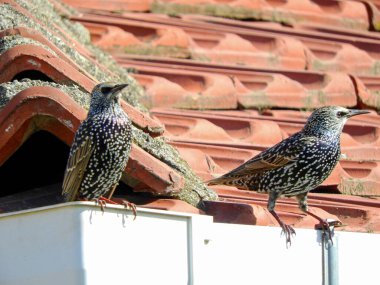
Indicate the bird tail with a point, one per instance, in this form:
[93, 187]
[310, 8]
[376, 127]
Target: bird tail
[222, 180]
[67, 197]
[211, 182]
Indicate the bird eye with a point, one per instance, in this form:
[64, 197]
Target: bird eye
[341, 114]
[105, 89]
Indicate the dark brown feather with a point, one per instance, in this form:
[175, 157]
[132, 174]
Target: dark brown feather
[258, 164]
[76, 166]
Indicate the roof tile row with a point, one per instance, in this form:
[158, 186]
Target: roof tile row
[349, 14]
[34, 108]
[213, 142]
[214, 135]
[265, 88]
[208, 42]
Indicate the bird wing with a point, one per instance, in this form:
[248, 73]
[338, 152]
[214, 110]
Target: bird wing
[277, 156]
[75, 169]
[266, 162]
[261, 163]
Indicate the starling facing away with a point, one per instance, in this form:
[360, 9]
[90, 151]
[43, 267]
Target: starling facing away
[296, 165]
[100, 149]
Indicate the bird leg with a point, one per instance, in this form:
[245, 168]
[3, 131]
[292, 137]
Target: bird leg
[287, 230]
[323, 223]
[110, 193]
[131, 206]
[302, 202]
[124, 202]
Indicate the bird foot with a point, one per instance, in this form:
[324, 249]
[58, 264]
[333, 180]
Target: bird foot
[325, 226]
[102, 202]
[288, 231]
[131, 206]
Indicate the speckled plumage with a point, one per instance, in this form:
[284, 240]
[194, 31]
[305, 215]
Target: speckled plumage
[297, 164]
[101, 147]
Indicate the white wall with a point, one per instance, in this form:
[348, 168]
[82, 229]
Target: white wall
[75, 243]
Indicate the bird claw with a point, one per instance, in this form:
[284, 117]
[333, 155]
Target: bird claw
[131, 206]
[325, 226]
[288, 231]
[101, 203]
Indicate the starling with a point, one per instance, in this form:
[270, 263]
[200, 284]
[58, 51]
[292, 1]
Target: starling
[100, 149]
[296, 165]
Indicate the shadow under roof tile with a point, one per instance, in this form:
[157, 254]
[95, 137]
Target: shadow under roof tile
[368, 89]
[374, 7]
[328, 56]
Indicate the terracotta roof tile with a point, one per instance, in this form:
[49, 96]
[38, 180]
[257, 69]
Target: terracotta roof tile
[374, 7]
[201, 62]
[348, 14]
[197, 43]
[28, 57]
[257, 88]
[59, 68]
[186, 89]
[61, 116]
[368, 89]
[357, 211]
[327, 47]
[115, 6]
[214, 129]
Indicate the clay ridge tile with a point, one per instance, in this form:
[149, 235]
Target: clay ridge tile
[17, 122]
[32, 57]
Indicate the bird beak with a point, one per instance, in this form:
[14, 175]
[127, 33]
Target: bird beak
[356, 112]
[118, 87]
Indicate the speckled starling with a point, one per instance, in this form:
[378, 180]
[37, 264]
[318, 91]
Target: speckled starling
[101, 147]
[296, 165]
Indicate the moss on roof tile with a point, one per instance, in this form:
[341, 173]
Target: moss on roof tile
[48, 16]
[194, 190]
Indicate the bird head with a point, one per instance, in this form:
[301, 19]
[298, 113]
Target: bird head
[104, 95]
[109, 91]
[329, 121]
